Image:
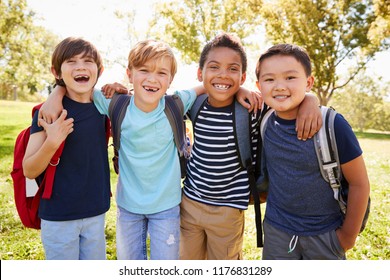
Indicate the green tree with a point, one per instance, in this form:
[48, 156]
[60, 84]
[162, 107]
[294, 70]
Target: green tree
[24, 51]
[362, 103]
[335, 33]
[188, 24]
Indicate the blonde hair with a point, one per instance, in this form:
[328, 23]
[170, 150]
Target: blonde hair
[147, 50]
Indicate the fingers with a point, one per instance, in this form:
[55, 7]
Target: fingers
[306, 128]
[61, 126]
[109, 89]
[259, 101]
[122, 90]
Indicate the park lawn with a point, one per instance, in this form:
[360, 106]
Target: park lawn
[19, 243]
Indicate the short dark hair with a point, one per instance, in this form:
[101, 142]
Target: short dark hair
[224, 40]
[299, 53]
[71, 47]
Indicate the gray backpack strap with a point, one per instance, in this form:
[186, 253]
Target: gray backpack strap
[174, 110]
[264, 120]
[194, 111]
[327, 153]
[242, 130]
[116, 112]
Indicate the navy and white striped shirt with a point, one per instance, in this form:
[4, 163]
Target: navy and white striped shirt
[214, 173]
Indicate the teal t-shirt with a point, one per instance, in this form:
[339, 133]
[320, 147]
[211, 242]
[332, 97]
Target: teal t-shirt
[149, 170]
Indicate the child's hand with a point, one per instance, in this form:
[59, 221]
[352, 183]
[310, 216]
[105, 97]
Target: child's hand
[346, 242]
[58, 130]
[309, 119]
[109, 89]
[52, 108]
[254, 98]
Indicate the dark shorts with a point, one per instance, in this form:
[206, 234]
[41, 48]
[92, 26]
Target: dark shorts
[279, 245]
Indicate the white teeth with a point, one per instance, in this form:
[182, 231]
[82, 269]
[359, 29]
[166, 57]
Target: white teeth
[151, 89]
[220, 86]
[280, 96]
[81, 78]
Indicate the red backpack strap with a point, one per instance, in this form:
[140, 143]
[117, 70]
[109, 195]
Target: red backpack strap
[48, 180]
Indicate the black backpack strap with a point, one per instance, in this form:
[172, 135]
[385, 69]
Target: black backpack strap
[174, 110]
[242, 130]
[195, 108]
[116, 112]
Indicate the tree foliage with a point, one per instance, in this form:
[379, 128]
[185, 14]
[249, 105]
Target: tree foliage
[24, 51]
[333, 32]
[363, 103]
[188, 24]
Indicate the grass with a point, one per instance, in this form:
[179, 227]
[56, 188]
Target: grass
[19, 243]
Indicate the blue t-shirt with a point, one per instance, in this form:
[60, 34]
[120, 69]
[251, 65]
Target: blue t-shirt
[149, 169]
[300, 201]
[82, 181]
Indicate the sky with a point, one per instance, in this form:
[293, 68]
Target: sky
[94, 20]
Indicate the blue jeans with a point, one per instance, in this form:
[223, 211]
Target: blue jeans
[163, 228]
[82, 239]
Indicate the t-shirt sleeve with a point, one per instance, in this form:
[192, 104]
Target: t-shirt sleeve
[101, 102]
[188, 98]
[347, 144]
[34, 125]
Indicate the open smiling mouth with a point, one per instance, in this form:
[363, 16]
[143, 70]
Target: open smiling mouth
[221, 86]
[281, 96]
[151, 89]
[81, 78]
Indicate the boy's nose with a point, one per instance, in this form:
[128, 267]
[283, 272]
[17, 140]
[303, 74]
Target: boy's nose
[80, 65]
[151, 77]
[280, 87]
[222, 73]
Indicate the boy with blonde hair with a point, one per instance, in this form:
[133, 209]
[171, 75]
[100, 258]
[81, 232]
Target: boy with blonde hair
[149, 182]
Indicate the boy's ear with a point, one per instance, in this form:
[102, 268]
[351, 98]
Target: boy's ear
[200, 78]
[54, 72]
[309, 83]
[243, 78]
[101, 71]
[258, 85]
[128, 72]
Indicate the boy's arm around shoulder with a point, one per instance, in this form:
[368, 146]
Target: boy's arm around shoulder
[355, 173]
[52, 108]
[309, 119]
[43, 144]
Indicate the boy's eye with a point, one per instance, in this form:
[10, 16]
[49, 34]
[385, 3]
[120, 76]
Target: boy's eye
[290, 77]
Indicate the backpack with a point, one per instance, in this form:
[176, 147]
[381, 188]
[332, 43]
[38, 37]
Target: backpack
[328, 160]
[27, 192]
[174, 110]
[242, 134]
